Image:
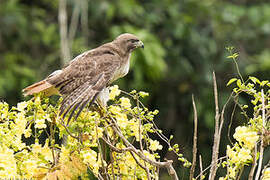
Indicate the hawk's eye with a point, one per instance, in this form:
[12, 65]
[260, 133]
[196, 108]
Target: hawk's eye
[133, 40]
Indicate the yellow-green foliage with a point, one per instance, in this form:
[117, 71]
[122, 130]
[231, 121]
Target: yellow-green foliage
[256, 131]
[114, 141]
[91, 142]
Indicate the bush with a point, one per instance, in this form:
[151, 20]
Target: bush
[103, 142]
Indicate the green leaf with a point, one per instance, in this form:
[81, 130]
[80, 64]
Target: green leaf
[233, 56]
[229, 48]
[231, 81]
[254, 80]
[264, 83]
[238, 82]
[245, 106]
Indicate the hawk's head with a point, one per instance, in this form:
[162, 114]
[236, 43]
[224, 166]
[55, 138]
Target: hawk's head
[128, 42]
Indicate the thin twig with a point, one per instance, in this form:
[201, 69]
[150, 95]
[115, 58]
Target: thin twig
[240, 173]
[124, 150]
[261, 145]
[52, 133]
[140, 124]
[254, 164]
[138, 162]
[100, 150]
[222, 115]
[160, 135]
[238, 71]
[201, 173]
[230, 124]
[147, 171]
[240, 106]
[67, 130]
[100, 177]
[201, 167]
[194, 153]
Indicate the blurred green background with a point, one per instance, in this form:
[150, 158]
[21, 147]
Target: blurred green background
[184, 41]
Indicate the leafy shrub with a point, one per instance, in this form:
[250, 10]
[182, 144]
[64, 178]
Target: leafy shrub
[112, 141]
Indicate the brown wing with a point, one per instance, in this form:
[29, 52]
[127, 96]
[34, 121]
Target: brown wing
[81, 81]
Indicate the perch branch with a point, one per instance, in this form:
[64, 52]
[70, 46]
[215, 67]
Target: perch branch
[167, 164]
[115, 148]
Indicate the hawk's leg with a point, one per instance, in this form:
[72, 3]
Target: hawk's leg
[103, 98]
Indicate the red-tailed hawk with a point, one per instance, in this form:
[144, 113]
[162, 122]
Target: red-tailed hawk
[87, 75]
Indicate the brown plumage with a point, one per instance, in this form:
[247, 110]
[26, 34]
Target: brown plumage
[87, 75]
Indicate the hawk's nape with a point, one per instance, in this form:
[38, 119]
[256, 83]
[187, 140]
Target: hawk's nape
[81, 82]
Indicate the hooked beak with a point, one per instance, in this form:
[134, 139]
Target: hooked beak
[140, 44]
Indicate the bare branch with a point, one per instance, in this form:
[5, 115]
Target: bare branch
[215, 150]
[171, 170]
[115, 148]
[112, 167]
[230, 124]
[240, 173]
[102, 154]
[254, 164]
[147, 171]
[201, 173]
[167, 164]
[138, 162]
[71, 135]
[194, 153]
[261, 145]
[140, 131]
[201, 167]
[222, 115]
[99, 176]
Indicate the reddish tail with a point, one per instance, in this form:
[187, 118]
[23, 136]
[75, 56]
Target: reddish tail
[41, 86]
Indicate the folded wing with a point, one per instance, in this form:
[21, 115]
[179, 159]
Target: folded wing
[81, 82]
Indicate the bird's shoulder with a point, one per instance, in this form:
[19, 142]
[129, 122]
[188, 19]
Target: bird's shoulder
[93, 62]
[106, 52]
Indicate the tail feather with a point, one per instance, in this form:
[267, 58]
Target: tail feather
[41, 86]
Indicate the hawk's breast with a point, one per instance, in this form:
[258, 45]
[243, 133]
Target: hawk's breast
[122, 71]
